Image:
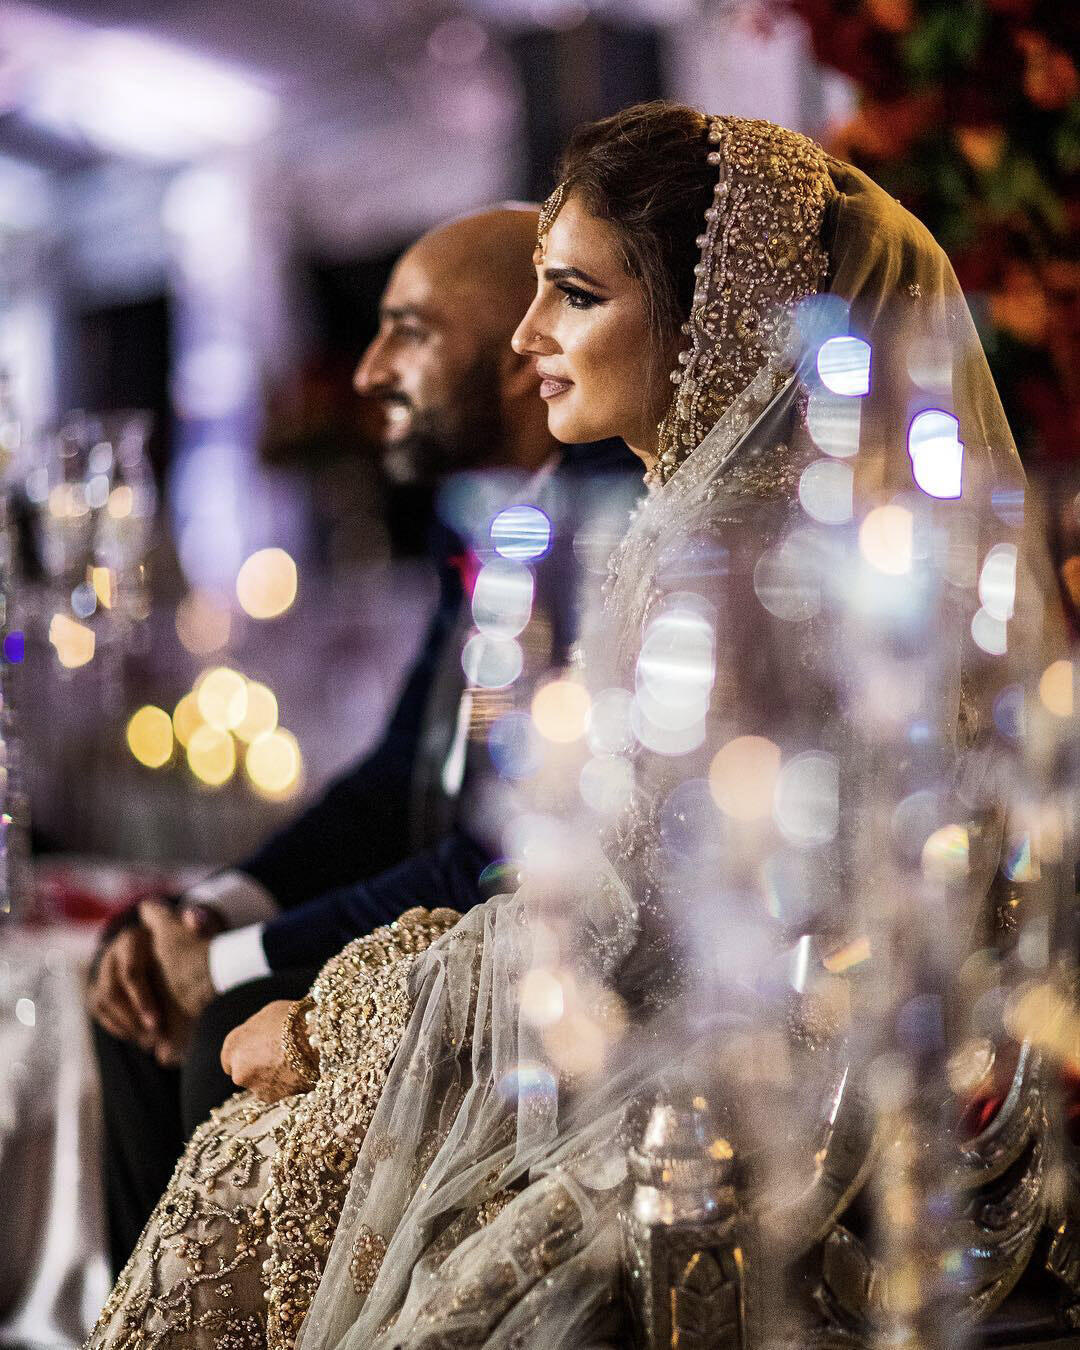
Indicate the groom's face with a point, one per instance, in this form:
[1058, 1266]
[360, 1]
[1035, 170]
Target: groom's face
[434, 368]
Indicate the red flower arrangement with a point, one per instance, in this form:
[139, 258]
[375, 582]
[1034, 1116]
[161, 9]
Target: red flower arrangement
[969, 113]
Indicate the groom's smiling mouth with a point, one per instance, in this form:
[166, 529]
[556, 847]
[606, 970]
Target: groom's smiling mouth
[551, 386]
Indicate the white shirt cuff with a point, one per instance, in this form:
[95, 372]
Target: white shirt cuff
[236, 897]
[237, 957]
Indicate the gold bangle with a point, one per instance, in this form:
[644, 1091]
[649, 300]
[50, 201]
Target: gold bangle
[295, 1047]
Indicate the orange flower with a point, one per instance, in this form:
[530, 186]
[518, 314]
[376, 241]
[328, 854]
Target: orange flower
[1021, 306]
[1050, 77]
[981, 146]
[895, 16]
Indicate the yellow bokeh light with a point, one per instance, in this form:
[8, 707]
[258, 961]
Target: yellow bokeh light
[211, 755]
[886, 540]
[150, 736]
[222, 697]
[742, 777]
[945, 855]
[186, 718]
[266, 583]
[1056, 688]
[273, 764]
[74, 642]
[203, 623]
[101, 578]
[560, 711]
[262, 713]
[121, 502]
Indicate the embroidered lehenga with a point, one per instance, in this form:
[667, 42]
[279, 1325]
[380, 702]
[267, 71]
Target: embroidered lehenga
[446, 1184]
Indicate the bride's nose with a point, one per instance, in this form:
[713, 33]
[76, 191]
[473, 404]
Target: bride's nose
[529, 337]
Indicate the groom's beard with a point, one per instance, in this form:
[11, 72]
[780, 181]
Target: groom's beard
[467, 432]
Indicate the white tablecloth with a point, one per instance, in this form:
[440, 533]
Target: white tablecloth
[53, 1269]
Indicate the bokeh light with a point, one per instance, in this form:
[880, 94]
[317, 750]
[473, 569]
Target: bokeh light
[211, 755]
[886, 539]
[843, 363]
[785, 580]
[560, 711]
[610, 731]
[203, 623]
[743, 776]
[806, 803]
[997, 581]
[150, 736]
[261, 714]
[990, 633]
[187, 718]
[74, 642]
[222, 697]
[103, 581]
[834, 423]
[502, 598]
[826, 491]
[491, 662]
[273, 764]
[514, 746]
[521, 532]
[945, 855]
[266, 583]
[542, 999]
[937, 453]
[121, 502]
[1056, 688]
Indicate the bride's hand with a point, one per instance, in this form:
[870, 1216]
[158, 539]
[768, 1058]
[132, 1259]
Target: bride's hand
[253, 1057]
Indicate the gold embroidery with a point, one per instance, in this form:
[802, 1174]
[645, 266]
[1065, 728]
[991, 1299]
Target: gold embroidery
[252, 1208]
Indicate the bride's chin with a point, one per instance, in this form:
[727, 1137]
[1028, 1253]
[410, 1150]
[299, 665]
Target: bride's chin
[571, 430]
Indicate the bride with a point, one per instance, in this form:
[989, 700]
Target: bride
[450, 1174]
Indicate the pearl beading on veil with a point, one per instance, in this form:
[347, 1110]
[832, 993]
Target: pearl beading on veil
[761, 254]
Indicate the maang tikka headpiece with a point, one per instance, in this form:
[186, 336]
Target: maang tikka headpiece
[761, 253]
[548, 212]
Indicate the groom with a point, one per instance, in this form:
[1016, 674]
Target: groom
[173, 980]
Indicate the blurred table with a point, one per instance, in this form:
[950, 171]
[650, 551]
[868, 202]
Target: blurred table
[54, 1274]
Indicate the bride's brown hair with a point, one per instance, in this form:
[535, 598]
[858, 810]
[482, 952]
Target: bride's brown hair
[644, 171]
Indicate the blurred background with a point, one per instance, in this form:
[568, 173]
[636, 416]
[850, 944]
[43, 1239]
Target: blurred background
[210, 582]
[199, 205]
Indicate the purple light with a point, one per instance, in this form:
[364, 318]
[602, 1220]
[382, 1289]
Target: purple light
[15, 647]
[937, 453]
[521, 532]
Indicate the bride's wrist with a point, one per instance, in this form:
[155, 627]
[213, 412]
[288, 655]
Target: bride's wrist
[298, 1044]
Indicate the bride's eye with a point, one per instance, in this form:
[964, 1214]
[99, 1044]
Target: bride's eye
[577, 298]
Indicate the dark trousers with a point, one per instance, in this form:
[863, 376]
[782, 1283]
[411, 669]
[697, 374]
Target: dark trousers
[150, 1112]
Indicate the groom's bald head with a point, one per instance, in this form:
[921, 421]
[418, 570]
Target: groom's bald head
[456, 396]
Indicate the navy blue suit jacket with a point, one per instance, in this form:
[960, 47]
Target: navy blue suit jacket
[347, 864]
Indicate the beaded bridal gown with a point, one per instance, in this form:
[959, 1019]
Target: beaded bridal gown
[448, 1184]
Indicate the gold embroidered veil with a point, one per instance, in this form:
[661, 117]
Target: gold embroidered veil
[482, 1208]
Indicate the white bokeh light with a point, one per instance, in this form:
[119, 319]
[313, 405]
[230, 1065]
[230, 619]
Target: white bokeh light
[826, 491]
[502, 598]
[843, 363]
[937, 453]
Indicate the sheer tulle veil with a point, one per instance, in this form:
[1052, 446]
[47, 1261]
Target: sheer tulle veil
[441, 1243]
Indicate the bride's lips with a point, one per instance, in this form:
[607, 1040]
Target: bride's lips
[551, 386]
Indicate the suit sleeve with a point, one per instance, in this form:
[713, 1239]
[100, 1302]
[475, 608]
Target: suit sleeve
[309, 934]
[359, 827]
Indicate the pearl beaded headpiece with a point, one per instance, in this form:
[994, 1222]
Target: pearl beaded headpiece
[761, 253]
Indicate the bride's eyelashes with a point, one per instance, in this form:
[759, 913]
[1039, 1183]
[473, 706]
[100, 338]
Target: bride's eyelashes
[576, 298]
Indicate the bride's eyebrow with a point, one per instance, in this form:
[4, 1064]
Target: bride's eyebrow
[572, 274]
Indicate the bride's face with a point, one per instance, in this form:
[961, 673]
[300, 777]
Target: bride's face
[588, 330]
